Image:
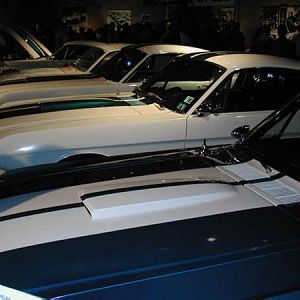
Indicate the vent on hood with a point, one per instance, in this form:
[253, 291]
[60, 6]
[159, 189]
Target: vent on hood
[276, 191]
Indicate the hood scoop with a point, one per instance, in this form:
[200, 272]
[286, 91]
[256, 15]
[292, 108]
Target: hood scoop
[282, 191]
[154, 201]
[148, 204]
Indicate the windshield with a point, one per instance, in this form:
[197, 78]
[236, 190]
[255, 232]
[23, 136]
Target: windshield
[104, 60]
[279, 143]
[86, 60]
[81, 56]
[71, 52]
[179, 85]
[30, 41]
[120, 64]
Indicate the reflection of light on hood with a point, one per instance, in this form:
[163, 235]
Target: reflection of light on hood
[26, 149]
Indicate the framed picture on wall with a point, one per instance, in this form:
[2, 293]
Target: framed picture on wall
[272, 16]
[75, 17]
[292, 17]
[119, 17]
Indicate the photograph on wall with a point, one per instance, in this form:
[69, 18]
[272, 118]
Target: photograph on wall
[272, 16]
[119, 17]
[75, 17]
[292, 17]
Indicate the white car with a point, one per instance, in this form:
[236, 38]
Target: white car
[196, 97]
[88, 54]
[73, 58]
[124, 71]
[76, 59]
[219, 223]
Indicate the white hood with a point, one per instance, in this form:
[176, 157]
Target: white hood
[121, 210]
[60, 88]
[49, 137]
[39, 72]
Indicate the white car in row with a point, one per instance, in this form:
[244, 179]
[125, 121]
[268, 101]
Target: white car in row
[74, 58]
[196, 97]
[122, 72]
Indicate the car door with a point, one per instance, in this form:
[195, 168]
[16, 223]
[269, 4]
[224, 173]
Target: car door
[245, 97]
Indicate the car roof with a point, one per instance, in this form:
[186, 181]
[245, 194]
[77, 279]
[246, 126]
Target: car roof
[105, 46]
[167, 48]
[247, 60]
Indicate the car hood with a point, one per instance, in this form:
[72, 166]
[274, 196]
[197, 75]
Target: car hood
[38, 73]
[103, 115]
[56, 88]
[205, 217]
[191, 193]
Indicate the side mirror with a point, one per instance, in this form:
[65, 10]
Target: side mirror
[240, 132]
[204, 109]
[51, 58]
[208, 108]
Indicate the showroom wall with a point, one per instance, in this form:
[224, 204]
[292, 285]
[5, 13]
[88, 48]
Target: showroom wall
[97, 12]
[155, 12]
[249, 14]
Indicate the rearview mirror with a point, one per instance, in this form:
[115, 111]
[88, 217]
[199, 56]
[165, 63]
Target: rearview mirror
[240, 132]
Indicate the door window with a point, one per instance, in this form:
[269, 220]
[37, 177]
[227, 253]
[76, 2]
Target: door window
[255, 89]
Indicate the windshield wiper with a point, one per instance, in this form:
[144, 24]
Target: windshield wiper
[138, 91]
[81, 171]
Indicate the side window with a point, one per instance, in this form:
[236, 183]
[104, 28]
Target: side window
[268, 88]
[255, 89]
[10, 49]
[151, 66]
